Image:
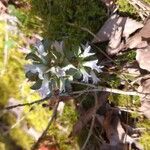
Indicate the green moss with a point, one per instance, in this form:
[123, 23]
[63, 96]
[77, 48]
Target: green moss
[135, 114]
[21, 138]
[147, 1]
[145, 138]
[2, 146]
[4, 90]
[38, 117]
[113, 81]
[6, 143]
[69, 114]
[8, 118]
[13, 85]
[61, 129]
[11, 78]
[144, 124]
[124, 100]
[126, 57]
[127, 8]
[57, 14]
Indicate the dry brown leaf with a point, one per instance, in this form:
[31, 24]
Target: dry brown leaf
[106, 30]
[127, 25]
[83, 120]
[87, 116]
[144, 85]
[114, 51]
[5, 2]
[143, 58]
[115, 38]
[115, 132]
[145, 107]
[140, 39]
[130, 27]
[115, 45]
[3, 8]
[145, 31]
[119, 146]
[135, 42]
[145, 101]
[112, 126]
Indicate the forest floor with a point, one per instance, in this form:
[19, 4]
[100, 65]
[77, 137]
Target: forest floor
[74, 75]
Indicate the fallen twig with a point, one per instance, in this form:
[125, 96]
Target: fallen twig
[90, 133]
[96, 89]
[105, 89]
[92, 123]
[27, 104]
[83, 29]
[35, 146]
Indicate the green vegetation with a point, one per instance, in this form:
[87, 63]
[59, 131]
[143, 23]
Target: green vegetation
[61, 129]
[145, 139]
[126, 8]
[57, 15]
[55, 20]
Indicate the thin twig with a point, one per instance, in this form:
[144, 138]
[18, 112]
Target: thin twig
[85, 84]
[130, 111]
[27, 104]
[5, 48]
[105, 89]
[83, 29]
[89, 134]
[96, 89]
[104, 53]
[119, 67]
[92, 123]
[36, 145]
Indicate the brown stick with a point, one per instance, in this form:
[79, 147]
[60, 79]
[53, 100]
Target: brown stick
[36, 145]
[27, 104]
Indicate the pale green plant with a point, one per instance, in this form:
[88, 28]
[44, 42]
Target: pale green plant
[52, 68]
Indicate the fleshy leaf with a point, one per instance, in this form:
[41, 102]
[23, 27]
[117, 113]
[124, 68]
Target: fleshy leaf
[32, 76]
[68, 67]
[32, 56]
[79, 51]
[37, 85]
[58, 46]
[93, 65]
[40, 48]
[94, 77]
[45, 88]
[59, 72]
[86, 76]
[68, 86]
[86, 52]
[36, 68]
[62, 85]
[40, 68]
